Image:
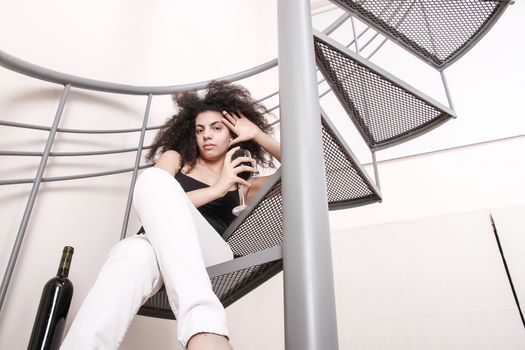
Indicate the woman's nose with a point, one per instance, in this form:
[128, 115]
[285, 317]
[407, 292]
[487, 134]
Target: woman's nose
[206, 134]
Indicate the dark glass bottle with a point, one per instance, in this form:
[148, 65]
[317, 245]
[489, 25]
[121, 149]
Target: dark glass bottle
[54, 305]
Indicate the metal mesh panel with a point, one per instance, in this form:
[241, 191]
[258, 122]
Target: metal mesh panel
[438, 31]
[157, 306]
[229, 288]
[263, 228]
[232, 286]
[343, 181]
[383, 111]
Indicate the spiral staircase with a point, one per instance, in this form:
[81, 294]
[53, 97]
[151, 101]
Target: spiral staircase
[385, 110]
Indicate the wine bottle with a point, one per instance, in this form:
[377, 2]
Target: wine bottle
[54, 305]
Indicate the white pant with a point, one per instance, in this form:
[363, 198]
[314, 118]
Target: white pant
[178, 246]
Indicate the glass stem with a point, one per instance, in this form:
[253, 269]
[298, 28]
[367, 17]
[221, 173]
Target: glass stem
[241, 195]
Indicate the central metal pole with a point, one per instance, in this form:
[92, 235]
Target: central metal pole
[310, 318]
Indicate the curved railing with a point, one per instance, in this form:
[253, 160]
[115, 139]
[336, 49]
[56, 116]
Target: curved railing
[38, 72]
[32, 70]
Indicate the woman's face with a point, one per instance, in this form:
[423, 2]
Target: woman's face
[213, 136]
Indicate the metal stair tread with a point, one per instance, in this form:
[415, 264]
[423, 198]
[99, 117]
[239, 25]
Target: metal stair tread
[438, 32]
[385, 110]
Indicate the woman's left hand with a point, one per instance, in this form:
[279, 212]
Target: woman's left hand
[241, 126]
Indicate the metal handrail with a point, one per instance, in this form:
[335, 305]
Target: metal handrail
[35, 71]
[70, 154]
[74, 131]
[72, 177]
[32, 70]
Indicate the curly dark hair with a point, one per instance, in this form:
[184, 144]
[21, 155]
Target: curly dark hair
[178, 133]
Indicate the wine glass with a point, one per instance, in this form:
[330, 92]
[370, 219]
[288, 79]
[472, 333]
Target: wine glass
[246, 175]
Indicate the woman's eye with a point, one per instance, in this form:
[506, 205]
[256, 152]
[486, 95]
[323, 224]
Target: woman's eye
[198, 131]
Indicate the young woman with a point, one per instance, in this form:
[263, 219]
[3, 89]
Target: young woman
[185, 203]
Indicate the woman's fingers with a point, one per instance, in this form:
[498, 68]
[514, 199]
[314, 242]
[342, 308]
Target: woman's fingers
[229, 154]
[228, 120]
[242, 127]
[228, 124]
[230, 117]
[239, 165]
[240, 160]
[244, 182]
[242, 168]
[234, 141]
[236, 163]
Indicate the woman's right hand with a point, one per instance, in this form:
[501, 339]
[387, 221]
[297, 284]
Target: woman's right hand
[228, 179]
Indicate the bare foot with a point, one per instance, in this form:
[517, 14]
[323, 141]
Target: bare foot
[209, 341]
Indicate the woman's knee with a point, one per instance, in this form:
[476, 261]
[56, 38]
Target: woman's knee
[153, 183]
[134, 255]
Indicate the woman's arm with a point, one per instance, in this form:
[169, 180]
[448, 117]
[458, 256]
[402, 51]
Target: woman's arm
[169, 161]
[270, 144]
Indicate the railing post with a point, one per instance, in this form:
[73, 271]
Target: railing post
[376, 172]
[447, 91]
[136, 168]
[31, 201]
[310, 318]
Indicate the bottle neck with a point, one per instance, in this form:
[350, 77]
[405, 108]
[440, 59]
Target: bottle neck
[65, 262]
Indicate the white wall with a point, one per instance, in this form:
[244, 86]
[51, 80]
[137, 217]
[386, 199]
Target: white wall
[173, 42]
[435, 283]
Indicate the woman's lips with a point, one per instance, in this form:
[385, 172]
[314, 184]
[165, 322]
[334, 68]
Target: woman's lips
[208, 147]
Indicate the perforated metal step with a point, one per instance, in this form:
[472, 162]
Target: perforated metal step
[437, 31]
[257, 234]
[385, 110]
[230, 280]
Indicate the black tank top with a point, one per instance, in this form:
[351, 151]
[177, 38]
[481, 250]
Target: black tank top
[217, 212]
